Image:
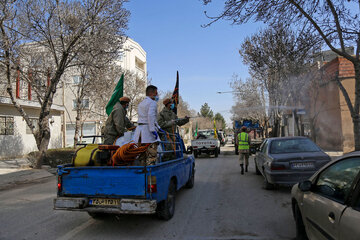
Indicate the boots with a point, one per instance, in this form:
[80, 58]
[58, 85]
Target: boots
[242, 169]
[246, 168]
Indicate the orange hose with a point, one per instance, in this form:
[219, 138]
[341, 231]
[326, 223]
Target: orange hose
[128, 153]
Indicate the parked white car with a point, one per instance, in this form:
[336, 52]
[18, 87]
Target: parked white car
[327, 206]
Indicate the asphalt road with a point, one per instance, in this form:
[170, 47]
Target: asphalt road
[222, 205]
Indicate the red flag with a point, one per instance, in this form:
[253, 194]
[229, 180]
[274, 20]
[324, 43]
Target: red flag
[175, 95]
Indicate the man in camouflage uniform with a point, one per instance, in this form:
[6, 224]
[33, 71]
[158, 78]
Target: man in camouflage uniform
[168, 120]
[117, 122]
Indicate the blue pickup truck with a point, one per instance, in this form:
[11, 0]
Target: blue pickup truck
[103, 190]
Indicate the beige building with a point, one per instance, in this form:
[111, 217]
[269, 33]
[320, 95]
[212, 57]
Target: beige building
[16, 138]
[133, 58]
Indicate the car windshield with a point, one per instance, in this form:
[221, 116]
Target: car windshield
[206, 134]
[293, 146]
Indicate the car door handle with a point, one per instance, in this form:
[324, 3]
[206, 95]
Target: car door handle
[331, 217]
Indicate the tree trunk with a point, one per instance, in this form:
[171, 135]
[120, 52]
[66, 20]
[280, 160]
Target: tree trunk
[42, 138]
[77, 129]
[356, 122]
[78, 120]
[298, 131]
[276, 128]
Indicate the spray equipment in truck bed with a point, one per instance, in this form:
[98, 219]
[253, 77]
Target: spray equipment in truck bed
[127, 154]
[93, 155]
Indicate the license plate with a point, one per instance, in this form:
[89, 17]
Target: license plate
[302, 165]
[104, 202]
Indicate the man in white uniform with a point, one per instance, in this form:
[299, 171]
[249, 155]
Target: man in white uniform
[146, 132]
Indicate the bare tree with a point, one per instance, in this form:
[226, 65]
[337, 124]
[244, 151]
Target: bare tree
[250, 103]
[91, 66]
[53, 33]
[335, 22]
[134, 88]
[204, 123]
[277, 57]
[183, 107]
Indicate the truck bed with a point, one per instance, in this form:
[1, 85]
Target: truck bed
[103, 181]
[126, 189]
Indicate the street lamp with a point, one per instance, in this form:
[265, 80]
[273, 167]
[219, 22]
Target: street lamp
[228, 92]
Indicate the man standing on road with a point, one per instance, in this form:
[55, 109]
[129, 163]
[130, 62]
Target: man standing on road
[146, 132]
[167, 118]
[244, 148]
[117, 122]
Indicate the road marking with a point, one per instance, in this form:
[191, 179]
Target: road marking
[72, 233]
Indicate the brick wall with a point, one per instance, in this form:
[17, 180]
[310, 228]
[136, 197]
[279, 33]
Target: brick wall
[334, 124]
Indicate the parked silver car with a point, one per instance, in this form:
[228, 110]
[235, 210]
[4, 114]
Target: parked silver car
[327, 206]
[288, 160]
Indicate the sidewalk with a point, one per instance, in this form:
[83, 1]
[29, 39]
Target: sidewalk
[17, 171]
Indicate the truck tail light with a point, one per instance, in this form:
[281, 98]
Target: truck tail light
[59, 185]
[152, 187]
[195, 147]
[212, 146]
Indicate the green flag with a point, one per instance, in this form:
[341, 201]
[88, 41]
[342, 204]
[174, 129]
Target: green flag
[118, 93]
[196, 130]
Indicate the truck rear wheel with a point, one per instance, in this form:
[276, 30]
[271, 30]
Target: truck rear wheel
[166, 209]
[195, 154]
[98, 216]
[190, 183]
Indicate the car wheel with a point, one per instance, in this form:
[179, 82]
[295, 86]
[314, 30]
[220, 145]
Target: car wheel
[216, 152]
[300, 228]
[166, 209]
[190, 183]
[267, 185]
[257, 171]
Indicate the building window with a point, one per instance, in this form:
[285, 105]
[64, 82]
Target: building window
[139, 64]
[84, 104]
[35, 123]
[76, 79]
[6, 125]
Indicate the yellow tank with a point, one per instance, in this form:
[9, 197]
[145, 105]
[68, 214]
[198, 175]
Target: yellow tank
[86, 156]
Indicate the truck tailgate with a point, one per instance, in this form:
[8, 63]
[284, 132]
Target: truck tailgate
[103, 181]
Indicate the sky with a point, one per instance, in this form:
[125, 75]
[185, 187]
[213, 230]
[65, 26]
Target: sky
[171, 33]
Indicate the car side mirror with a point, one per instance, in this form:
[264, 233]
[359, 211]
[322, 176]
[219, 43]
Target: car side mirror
[305, 186]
